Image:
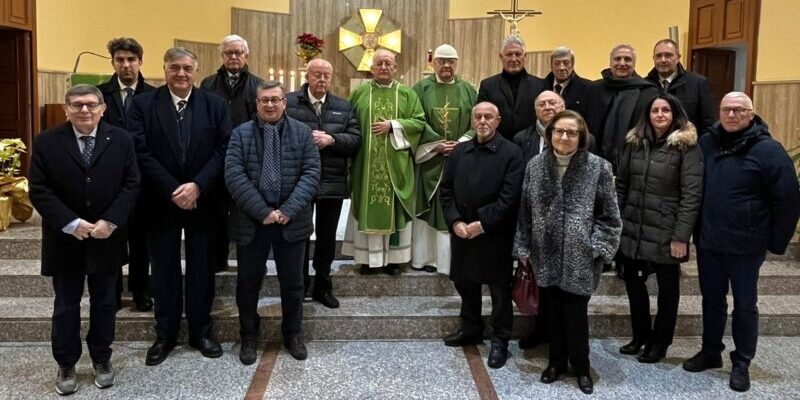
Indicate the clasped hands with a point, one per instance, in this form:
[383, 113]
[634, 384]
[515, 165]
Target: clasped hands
[467, 231]
[276, 217]
[186, 195]
[446, 147]
[98, 230]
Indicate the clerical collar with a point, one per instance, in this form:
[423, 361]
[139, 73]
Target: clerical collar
[670, 78]
[176, 98]
[380, 85]
[122, 86]
[313, 99]
[452, 81]
[79, 135]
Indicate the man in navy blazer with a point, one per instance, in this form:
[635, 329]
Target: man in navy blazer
[181, 134]
[84, 183]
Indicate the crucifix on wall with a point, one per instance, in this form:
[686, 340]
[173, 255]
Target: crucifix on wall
[514, 15]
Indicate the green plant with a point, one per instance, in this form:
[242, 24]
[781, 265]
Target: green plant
[11, 151]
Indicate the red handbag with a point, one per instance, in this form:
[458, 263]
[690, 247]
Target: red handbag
[525, 291]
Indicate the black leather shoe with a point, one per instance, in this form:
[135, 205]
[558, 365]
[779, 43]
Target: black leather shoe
[247, 353]
[159, 351]
[429, 268]
[585, 384]
[460, 338]
[740, 377]
[652, 354]
[366, 270]
[497, 355]
[208, 347]
[296, 347]
[392, 270]
[142, 302]
[702, 361]
[327, 299]
[551, 374]
[632, 348]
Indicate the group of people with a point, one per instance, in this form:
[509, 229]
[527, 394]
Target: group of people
[561, 174]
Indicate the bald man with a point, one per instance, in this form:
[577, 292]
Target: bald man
[338, 138]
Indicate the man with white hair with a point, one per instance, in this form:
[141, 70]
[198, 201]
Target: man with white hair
[751, 204]
[447, 101]
[564, 81]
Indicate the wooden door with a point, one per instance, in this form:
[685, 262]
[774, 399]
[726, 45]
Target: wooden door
[16, 87]
[719, 67]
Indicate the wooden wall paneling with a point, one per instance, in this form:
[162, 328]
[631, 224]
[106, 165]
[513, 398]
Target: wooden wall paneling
[733, 20]
[538, 63]
[208, 58]
[776, 103]
[264, 32]
[478, 43]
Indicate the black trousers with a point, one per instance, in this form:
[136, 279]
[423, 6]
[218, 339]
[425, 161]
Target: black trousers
[138, 257]
[164, 245]
[223, 243]
[668, 276]
[252, 264]
[716, 272]
[325, 224]
[541, 329]
[569, 330]
[66, 328]
[502, 316]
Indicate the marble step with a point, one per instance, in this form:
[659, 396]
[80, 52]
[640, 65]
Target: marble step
[20, 278]
[380, 318]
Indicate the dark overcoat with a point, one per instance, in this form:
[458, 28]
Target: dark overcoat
[63, 188]
[114, 114]
[659, 190]
[481, 182]
[577, 96]
[152, 120]
[515, 115]
[241, 98]
[694, 93]
[338, 120]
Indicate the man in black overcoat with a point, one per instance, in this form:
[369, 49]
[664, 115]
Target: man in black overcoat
[84, 183]
[118, 93]
[480, 193]
[576, 91]
[181, 135]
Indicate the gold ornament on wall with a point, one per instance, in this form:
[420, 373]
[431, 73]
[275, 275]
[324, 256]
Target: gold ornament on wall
[366, 32]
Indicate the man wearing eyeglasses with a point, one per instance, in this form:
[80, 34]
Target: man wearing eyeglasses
[181, 135]
[338, 138]
[272, 172]
[118, 93]
[751, 204]
[237, 85]
[84, 183]
[447, 101]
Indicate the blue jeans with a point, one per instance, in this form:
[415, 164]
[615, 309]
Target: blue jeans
[716, 271]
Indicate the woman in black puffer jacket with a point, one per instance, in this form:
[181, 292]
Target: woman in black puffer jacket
[659, 189]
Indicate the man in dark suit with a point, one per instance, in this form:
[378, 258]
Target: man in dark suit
[513, 91]
[181, 135]
[118, 92]
[338, 137]
[564, 81]
[84, 182]
[690, 88]
[272, 172]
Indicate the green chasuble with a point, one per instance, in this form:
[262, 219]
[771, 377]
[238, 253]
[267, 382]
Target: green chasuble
[448, 109]
[382, 177]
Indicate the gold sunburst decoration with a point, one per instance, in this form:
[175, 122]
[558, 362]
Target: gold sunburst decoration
[366, 32]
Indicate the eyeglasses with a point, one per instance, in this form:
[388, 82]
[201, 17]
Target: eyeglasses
[78, 107]
[231, 53]
[446, 61]
[737, 110]
[571, 133]
[266, 101]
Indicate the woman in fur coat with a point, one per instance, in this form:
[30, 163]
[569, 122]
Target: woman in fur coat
[568, 226]
[659, 188]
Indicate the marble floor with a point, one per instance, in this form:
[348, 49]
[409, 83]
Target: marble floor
[397, 370]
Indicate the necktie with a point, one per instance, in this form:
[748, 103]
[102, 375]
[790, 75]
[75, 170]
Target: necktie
[181, 109]
[233, 79]
[126, 104]
[318, 107]
[270, 182]
[558, 89]
[88, 147]
[665, 83]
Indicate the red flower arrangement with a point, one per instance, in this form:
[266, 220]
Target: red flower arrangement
[309, 46]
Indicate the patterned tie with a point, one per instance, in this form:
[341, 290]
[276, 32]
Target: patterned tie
[318, 107]
[270, 182]
[665, 84]
[558, 89]
[88, 147]
[126, 104]
[233, 80]
[181, 109]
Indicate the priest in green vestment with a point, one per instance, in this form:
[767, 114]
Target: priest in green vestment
[378, 234]
[447, 101]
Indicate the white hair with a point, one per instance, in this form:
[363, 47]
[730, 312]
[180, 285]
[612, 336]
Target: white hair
[234, 39]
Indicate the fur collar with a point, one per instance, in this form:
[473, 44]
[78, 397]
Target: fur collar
[680, 139]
